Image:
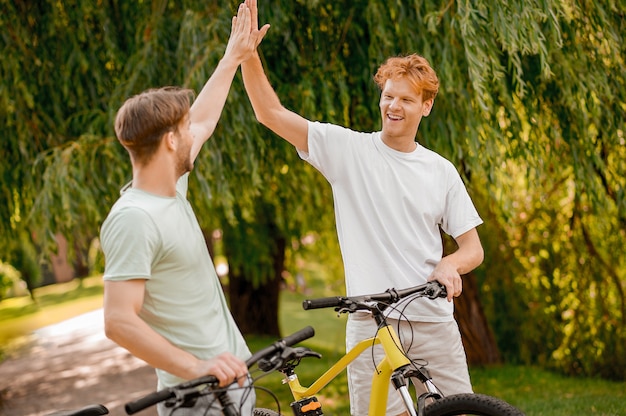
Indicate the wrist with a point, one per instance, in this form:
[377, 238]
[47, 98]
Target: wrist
[190, 367]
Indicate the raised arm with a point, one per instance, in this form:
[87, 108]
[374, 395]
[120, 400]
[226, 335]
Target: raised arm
[267, 107]
[207, 108]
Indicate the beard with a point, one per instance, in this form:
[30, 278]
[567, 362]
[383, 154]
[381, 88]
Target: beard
[184, 163]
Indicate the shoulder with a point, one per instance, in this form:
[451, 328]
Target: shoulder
[125, 218]
[318, 127]
[335, 135]
[435, 158]
[129, 214]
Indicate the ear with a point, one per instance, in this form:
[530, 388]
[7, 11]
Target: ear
[169, 141]
[428, 106]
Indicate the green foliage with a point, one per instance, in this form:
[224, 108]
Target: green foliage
[23, 257]
[9, 280]
[531, 109]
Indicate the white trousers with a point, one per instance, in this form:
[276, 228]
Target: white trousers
[434, 344]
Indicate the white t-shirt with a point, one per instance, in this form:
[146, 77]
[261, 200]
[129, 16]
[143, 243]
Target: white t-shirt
[389, 206]
[156, 238]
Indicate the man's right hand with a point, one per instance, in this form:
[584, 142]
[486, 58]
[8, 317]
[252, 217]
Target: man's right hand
[254, 23]
[226, 367]
[245, 35]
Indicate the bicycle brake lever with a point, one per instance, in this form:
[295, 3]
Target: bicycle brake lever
[436, 291]
[287, 355]
[341, 310]
[184, 398]
[350, 306]
[299, 353]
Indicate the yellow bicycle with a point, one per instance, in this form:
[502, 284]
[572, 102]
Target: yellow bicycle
[395, 368]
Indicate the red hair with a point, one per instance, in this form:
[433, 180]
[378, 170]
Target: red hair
[413, 67]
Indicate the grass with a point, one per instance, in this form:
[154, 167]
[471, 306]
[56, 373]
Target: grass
[540, 392]
[536, 391]
[55, 303]
[329, 340]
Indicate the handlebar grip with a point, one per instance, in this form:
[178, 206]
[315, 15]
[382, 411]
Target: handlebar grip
[301, 335]
[147, 401]
[322, 303]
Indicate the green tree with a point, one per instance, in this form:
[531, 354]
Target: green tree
[531, 110]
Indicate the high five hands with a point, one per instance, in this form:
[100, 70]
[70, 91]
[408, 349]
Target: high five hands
[245, 35]
[254, 24]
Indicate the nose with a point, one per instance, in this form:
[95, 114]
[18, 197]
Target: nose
[394, 103]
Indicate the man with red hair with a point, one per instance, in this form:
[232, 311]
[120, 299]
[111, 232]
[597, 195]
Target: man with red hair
[392, 196]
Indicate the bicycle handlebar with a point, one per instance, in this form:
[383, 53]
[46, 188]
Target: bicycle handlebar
[171, 392]
[432, 290]
[149, 400]
[280, 345]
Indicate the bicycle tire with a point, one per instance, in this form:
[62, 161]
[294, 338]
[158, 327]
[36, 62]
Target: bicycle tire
[471, 404]
[259, 411]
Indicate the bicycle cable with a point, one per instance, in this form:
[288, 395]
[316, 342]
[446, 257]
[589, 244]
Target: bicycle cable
[265, 389]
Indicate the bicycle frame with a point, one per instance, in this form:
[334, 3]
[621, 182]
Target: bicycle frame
[394, 359]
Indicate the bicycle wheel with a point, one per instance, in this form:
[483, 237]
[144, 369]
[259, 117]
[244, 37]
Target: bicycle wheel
[471, 404]
[258, 411]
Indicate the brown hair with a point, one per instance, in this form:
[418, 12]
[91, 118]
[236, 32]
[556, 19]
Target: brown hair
[144, 118]
[414, 67]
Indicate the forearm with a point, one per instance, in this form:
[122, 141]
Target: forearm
[464, 261]
[143, 342]
[466, 258]
[469, 255]
[207, 108]
[267, 106]
[262, 96]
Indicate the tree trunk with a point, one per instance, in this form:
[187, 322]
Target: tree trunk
[255, 309]
[479, 342]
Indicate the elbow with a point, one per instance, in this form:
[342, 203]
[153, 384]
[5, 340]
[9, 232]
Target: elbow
[113, 328]
[265, 118]
[270, 114]
[109, 329]
[479, 255]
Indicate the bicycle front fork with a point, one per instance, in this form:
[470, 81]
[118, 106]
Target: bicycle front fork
[398, 379]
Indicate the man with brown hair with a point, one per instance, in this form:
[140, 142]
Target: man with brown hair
[392, 196]
[162, 299]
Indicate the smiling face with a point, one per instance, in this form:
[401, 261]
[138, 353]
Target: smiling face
[401, 109]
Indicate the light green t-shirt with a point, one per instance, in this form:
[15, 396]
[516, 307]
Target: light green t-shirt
[147, 236]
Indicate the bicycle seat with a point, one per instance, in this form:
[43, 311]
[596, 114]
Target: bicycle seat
[91, 410]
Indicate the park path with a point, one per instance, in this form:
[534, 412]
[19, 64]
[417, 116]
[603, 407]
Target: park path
[70, 365]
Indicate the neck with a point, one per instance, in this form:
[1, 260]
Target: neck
[405, 144]
[157, 177]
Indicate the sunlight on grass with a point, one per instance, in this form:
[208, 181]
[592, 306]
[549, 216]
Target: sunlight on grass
[19, 317]
[540, 392]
